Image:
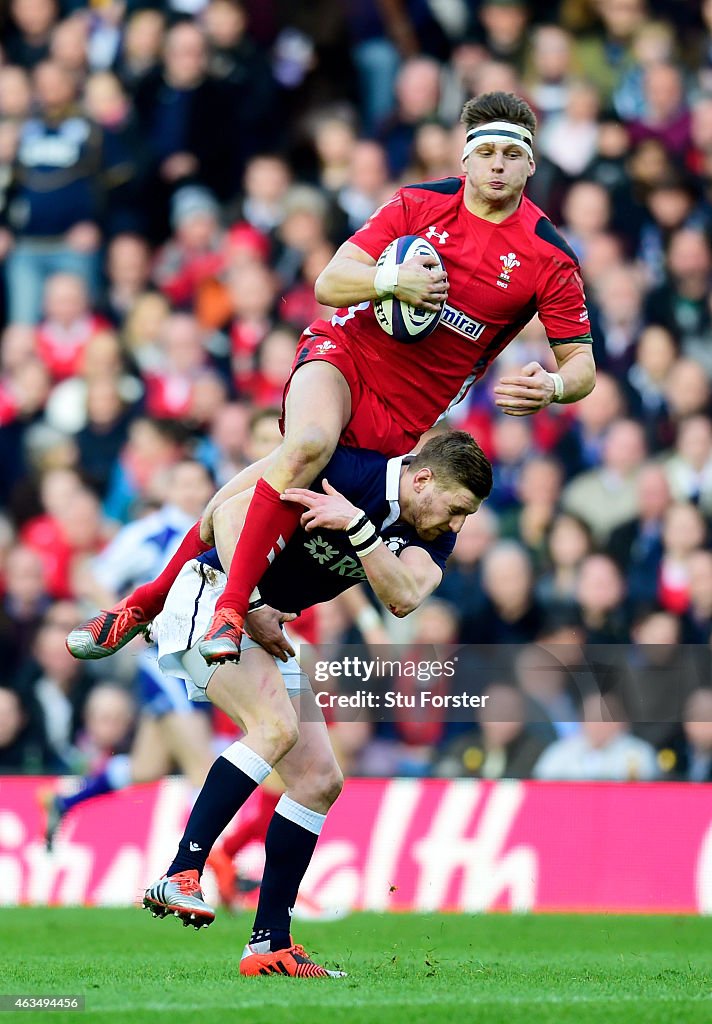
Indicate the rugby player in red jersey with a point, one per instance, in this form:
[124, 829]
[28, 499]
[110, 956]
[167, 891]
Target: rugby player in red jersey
[353, 383]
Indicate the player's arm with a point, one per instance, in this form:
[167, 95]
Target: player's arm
[350, 278]
[400, 583]
[561, 305]
[534, 387]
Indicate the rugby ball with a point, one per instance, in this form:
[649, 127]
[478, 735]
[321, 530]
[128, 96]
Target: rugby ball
[402, 321]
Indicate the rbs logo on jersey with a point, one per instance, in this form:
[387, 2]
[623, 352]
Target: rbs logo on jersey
[320, 549]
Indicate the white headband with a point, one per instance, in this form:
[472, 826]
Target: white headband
[499, 131]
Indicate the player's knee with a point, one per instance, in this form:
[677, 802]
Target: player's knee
[309, 450]
[329, 781]
[278, 737]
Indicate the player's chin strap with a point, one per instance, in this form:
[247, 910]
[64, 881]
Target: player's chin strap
[503, 132]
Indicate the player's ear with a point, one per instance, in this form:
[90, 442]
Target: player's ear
[421, 478]
[532, 167]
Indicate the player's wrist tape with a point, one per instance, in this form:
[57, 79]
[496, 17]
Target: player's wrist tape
[362, 534]
[256, 601]
[558, 383]
[386, 280]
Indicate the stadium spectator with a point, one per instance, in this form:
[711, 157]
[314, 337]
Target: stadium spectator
[581, 447]
[694, 761]
[657, 676]
[169, 390]
[603, 750]
[108, 717]
[57, 682]
[417, 92]
[617, 318]
[24, 603]
[637, 545]
[697, 620]
[234, 58]
[152, 445]
[569, 541]
[512, 614]
[142, 328]
[538, 492]
[139, 54]
[664, 116]
[504, 27]
[600, 596]
[189, 119]
[128, 273]
[365, 187]
[543, 678]
[689, 467]
[502, 747]
[684, 531]
[681, 303]
[586, 214]
[687, 392]
[605, 53]
[195, 254]
[264, 188]
[606, 497]
[57, 196]
[569, 139]
[462, 584]
[68, 325]
[647, 383]
[550, 69]
[23, 748]
[28, 38]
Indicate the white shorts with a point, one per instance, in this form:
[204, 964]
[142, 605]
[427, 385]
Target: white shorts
[186, 616]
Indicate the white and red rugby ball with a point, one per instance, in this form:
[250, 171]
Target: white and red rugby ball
[402, 321]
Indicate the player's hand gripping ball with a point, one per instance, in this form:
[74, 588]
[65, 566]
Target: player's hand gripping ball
[406, 323]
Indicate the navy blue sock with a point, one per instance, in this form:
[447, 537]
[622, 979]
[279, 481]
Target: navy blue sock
[116, 774]
[93, 785]
[288, 849]
[224, 791]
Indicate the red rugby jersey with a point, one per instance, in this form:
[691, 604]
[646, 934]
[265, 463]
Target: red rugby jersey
[500, 276]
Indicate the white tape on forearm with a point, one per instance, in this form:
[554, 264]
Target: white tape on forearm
[558, 382]
[362, 534]
[386, 280]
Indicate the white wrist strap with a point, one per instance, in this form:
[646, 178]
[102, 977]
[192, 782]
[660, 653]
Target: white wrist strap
[386, 280]
[558, 383]
[362, 534]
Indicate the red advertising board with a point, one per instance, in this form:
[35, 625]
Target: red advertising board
[402, 845]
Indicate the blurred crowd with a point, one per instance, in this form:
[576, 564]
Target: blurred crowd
[174, 176]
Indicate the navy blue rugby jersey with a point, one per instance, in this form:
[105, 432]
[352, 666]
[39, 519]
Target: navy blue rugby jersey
[316, 566]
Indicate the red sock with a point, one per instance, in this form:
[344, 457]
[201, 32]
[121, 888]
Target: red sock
[255, 828]
[269, 524]
[150, 596]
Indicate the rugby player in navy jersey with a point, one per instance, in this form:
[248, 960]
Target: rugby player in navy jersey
[392, 522]
[352, 383]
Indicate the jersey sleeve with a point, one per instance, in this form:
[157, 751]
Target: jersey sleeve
[388, 222]
[561, 301]
[439, 550]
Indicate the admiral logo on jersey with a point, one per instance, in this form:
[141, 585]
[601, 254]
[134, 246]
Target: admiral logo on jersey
[456, 321]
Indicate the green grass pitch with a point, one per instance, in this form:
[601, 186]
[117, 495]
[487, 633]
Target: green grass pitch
[405, 969]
